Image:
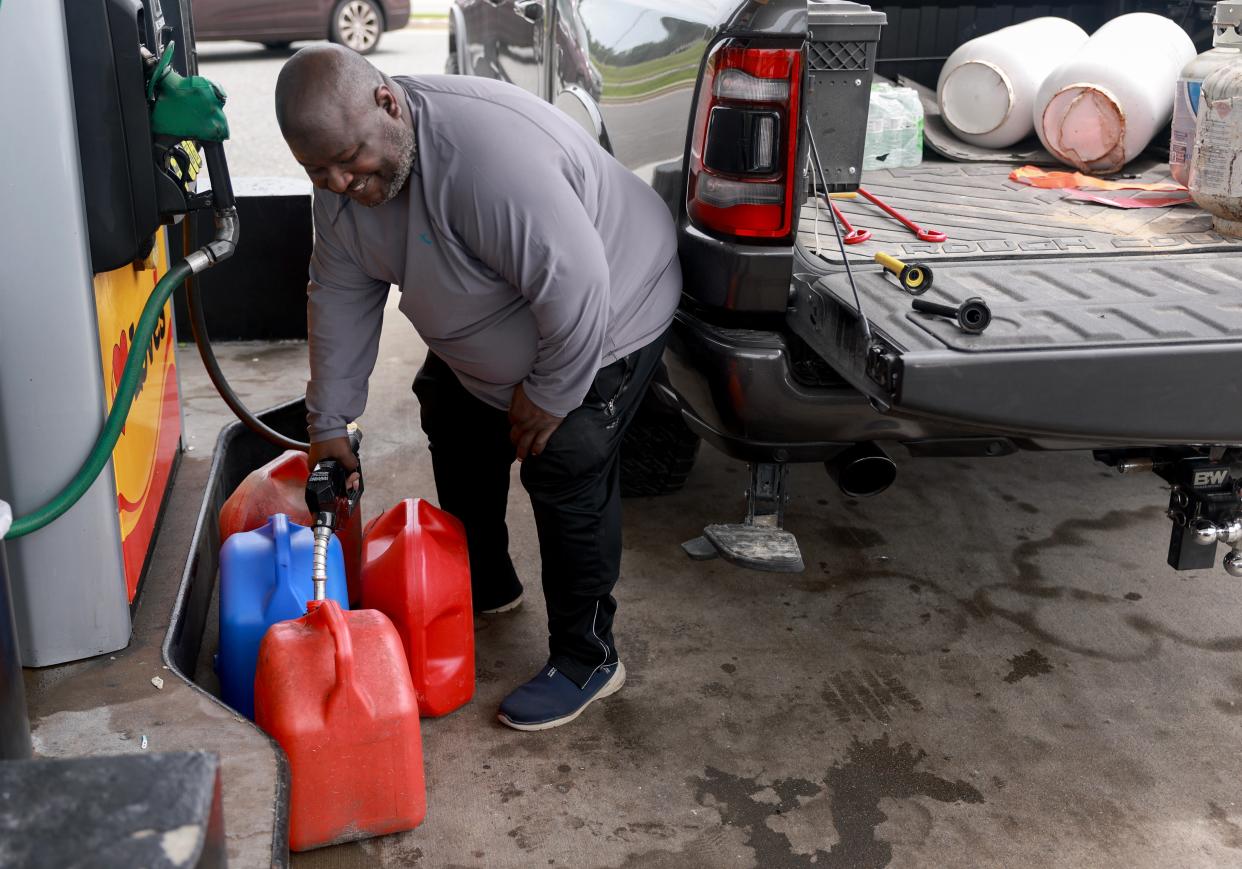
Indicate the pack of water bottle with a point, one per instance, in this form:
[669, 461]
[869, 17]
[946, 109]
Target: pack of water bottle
[894, 128]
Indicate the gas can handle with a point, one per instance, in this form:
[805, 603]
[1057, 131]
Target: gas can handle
[283, 586]
[346, 681]
[280, 536]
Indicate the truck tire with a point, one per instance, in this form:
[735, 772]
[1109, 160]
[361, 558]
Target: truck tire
[657, 452]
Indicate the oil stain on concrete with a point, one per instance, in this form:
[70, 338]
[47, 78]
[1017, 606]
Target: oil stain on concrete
[1031, 663]
[855, 787]
[1033, 594]
[871, 772]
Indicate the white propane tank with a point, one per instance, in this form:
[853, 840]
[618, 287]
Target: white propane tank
[1098, 110]
[1215, 173]
[1226, 48]
[987, 87]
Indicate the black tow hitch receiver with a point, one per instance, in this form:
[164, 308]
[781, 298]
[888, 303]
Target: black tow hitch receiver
[1205, 509]
[1205, 500]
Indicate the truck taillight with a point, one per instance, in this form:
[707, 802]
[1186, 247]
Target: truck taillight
[744, 146]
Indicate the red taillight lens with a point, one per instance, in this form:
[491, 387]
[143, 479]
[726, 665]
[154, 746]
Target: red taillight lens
[744, 145]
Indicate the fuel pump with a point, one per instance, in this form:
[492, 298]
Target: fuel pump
[112, 133]
[184, 112]
[142, 126]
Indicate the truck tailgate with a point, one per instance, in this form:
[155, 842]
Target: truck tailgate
[1109, 326]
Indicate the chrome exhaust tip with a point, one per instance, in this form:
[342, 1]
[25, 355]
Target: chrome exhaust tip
[862, 470]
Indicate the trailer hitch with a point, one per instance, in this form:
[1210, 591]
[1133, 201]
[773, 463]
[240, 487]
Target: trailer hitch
[1205, 508]
[1205, 501]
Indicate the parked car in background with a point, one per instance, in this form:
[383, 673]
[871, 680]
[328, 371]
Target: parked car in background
[357, 24]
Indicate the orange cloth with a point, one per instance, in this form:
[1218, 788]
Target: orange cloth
[1041, 178]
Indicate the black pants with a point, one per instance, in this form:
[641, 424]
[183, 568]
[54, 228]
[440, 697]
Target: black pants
[574, 488]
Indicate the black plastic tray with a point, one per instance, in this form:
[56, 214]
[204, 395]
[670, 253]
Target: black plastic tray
[238, 452]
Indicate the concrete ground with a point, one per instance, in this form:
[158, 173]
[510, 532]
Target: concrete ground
[988, 665]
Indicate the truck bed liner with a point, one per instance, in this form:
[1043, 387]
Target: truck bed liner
[1108, 325]
[987, 216]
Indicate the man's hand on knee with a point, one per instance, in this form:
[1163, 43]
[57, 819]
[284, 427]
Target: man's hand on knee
[532, 425]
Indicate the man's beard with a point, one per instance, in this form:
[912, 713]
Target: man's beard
[403, 138]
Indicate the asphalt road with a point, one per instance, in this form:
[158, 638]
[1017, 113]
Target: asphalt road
[989, 665]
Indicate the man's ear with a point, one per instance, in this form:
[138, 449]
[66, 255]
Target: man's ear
[387, 100]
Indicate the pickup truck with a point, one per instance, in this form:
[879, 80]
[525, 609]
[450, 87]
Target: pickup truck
[1112, 331]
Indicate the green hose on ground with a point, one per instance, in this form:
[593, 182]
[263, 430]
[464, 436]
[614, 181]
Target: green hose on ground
[128, 388]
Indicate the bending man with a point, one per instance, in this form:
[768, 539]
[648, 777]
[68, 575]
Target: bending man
[542, 275]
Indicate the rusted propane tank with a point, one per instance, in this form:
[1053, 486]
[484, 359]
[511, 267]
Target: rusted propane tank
[1226, 49]
[1215, 168]
[1101, 108]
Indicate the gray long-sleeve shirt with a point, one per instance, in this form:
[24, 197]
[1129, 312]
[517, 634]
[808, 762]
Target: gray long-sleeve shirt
[525, 254]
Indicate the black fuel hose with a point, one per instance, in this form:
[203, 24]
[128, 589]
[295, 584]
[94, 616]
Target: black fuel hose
[198, 325]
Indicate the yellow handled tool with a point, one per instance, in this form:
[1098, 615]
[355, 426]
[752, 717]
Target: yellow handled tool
[915, 278]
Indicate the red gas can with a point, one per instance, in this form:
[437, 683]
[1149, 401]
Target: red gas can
[280, 487]
[334, 690]
[416, 571]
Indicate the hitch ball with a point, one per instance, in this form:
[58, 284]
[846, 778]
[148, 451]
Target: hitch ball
[1206, 533]
[1233, 562]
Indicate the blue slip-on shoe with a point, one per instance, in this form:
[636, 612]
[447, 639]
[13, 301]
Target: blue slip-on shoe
[552, 699]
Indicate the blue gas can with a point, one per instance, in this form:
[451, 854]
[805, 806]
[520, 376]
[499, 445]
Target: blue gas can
[265, 577]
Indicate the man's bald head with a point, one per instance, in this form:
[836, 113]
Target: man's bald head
[323, 85]
[347, 124]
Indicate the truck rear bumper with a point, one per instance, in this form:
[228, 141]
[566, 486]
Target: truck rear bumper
[736, 390]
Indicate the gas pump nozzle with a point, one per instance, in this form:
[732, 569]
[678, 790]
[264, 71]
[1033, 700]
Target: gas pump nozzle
[191, 108]
[331, 503]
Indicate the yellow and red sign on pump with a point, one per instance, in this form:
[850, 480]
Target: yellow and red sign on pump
[144, 455]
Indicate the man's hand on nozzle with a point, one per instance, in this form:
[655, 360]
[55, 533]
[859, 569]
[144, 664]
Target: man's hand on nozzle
[338, 449]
